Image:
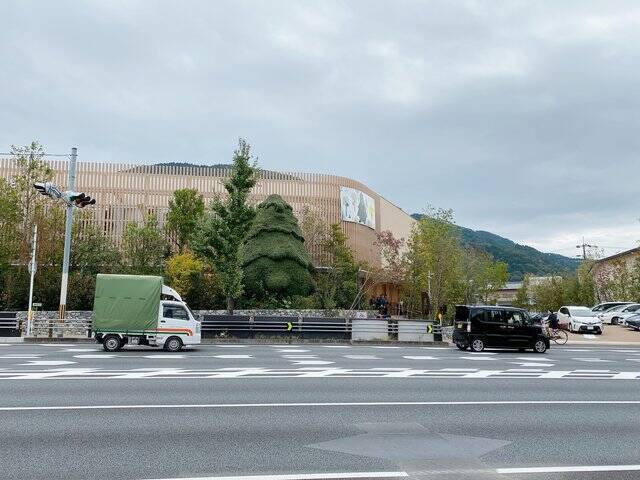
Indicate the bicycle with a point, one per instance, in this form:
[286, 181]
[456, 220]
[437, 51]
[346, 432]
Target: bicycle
[559, 337]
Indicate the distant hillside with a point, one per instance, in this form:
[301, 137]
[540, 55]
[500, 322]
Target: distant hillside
[521, 259]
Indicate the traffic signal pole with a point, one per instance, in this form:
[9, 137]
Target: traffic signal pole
[71, 185]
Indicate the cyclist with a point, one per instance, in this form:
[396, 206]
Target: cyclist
[552, 321]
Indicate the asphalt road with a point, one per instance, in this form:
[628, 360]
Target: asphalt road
[73, 411]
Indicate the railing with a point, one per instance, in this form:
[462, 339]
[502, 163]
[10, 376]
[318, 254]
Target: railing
[255, 326]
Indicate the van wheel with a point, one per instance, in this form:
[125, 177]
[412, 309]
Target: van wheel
[462, 346]
[173, 344]
[540, 346]
[111, 343]
[477, 345]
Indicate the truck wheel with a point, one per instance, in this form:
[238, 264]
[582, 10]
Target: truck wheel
[173, 344]
[111, 343]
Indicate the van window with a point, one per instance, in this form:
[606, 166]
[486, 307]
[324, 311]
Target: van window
[498, 316]
[515, 317]
[478, 315]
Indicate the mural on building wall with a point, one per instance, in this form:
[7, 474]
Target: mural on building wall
[357, 207]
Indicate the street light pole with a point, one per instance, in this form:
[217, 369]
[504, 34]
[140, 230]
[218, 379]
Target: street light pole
[71, 185]
[32, 270]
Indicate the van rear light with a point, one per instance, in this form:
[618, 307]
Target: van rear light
[468, 326]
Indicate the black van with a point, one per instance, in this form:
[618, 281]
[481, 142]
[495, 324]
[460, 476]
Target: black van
[477, 327]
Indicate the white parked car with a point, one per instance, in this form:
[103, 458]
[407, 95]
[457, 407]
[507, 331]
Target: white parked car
[618, 315]
[580, 319]
[603, 307]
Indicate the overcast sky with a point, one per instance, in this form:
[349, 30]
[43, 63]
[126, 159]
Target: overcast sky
[523, 117]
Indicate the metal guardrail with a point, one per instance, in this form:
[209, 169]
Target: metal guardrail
[245, 326]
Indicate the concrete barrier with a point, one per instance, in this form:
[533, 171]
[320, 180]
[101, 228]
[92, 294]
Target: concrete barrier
[369, 329]
[414, 331]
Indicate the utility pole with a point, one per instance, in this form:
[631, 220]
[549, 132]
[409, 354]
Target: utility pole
[32, 269]
[584, 247]
[71, 186]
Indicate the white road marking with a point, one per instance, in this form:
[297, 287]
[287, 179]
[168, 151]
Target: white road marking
[5, 344]
[420, 357]
[435, 348]
[589, 336]
[626, 351]
[336, 346]
[291, 350]
[592, 371]
[294, 372]
[385, 347]
[478, 358]
[481, 353]
[299, 356]
[20, 356]
[585, 468]
[592, 360]
[303, 476]
[48, 362]
[162, 357]
[318, 404]
[55, 344]
[312, 362]
[80, 350]
[233, 356]
[533, 364]
[102, 355]
[362, 357]
[230, 346]
[577, 350]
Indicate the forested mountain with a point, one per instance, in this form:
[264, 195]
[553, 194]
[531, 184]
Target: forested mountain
[521, 259]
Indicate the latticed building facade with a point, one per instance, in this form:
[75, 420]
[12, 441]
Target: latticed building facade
[128, 192]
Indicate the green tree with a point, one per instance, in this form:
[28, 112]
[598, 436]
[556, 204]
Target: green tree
[436, 253]
[549, 294]
[481, 276]
[337, 284]
[522, 299]
[193, 280]
[274, 259]
[143, 247]
[92, 252]
[186, 209]
[226, 224]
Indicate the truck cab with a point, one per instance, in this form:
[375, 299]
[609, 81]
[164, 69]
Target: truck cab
[176, 323]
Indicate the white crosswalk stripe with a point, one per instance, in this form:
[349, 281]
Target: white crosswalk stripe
[310, 372]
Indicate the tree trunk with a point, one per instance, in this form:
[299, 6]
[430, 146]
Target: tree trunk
[231, 304]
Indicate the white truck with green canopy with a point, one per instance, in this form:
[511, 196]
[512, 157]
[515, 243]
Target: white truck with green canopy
[140, 310]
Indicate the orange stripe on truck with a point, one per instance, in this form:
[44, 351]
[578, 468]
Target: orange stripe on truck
[173, 330]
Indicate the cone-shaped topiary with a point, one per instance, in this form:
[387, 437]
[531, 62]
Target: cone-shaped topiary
[274, 259]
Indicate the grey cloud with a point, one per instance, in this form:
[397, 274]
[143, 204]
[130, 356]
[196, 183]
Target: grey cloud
[521, 116]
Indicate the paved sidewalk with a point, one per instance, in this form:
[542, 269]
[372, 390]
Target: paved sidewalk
[612, 335]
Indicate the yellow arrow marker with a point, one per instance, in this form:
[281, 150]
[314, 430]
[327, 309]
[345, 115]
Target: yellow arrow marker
[289, 326]
[430, 328]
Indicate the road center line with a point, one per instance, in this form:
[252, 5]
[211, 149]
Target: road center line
[304, 476]
[319, 404]
[584, 468]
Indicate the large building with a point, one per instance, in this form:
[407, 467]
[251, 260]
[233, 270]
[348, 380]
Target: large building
[127, 193]
[619, 265]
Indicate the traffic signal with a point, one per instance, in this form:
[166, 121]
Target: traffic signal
[83, 200]
[43, 188]
[77, 199]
